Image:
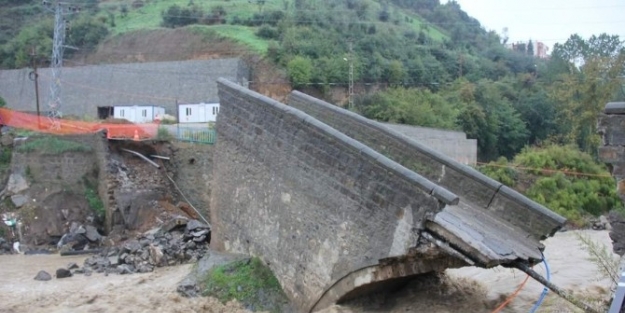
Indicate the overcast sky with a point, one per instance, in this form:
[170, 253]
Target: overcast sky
[549, 21]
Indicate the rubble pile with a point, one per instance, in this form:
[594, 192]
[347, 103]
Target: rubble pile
[178, 241]
[80, 237]
[5, 247]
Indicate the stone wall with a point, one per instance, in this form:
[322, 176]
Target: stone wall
[313, 203]
[472, 186]
[611, 127]
[68, 167]
[193, 166]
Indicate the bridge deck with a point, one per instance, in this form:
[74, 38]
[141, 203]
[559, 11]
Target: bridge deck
[483, 237]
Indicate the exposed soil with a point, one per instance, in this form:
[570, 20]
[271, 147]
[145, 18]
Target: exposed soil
[180, 44]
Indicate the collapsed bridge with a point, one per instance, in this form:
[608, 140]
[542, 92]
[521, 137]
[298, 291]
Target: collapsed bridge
[339, 205]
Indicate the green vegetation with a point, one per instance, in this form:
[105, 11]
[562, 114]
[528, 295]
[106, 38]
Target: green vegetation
[95, 203]
[562, 178]
[249, 281]
[5, 156]
[92, 196]
[52, 145]
[422, 63]
[164, 134]
[240, 34]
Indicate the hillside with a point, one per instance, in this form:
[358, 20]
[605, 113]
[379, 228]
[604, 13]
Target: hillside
[415, 62]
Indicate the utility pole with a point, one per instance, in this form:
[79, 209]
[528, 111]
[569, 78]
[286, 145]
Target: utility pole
[350, 89]
[61, 26]
[35, 77]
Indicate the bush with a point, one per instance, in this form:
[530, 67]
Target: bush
[300, 71]
[249, 281]
[164, 134]
[268, 32]
[562, 178]
[176, 16]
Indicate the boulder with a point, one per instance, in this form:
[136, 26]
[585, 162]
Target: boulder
[19, 200]
[43, 276]
[63, 273]
[194, 225]
[17, 183]
[188, 289]
[6, 140]
[92, 233]
[72, 266]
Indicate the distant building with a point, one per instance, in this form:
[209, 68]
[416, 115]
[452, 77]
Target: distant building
[138, 113]
[198, 113]
[540, 50]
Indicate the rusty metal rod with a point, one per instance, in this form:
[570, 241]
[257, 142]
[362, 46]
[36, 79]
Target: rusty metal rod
[143, 157]
[565, 295]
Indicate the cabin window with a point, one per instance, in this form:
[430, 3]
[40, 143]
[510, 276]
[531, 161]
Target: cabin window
[145, 113]
[121, 113]
[214, 111]
[188, 111]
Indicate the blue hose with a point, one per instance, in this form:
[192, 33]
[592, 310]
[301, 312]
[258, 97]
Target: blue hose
[545, 290]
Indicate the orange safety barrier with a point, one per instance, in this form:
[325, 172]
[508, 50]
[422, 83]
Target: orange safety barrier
[116, 129]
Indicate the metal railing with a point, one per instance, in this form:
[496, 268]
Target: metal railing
[199, 135]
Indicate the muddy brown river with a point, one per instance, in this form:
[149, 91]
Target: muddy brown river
[155, 292]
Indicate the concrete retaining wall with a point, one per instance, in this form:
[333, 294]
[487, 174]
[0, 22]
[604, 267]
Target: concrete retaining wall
[315, 204]
[472, 186]
[85, 88]
[453, 144]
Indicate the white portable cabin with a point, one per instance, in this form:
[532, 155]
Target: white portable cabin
[198, 113]
[139, 113]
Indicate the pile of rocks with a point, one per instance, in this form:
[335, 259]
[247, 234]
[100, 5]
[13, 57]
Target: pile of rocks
[80, 237]
[5, 246]
[601, 224]
[178, 241]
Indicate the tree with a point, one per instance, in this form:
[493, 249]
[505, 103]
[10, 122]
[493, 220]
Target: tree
[3, 103]
[594, 78]
[300, 71]
[394, 73]
[530, 48]
[412, 106]
[551, 176]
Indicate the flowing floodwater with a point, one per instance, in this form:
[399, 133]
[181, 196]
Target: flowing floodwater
[155, 292]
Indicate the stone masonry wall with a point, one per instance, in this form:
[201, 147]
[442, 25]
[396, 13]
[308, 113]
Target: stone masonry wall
[472, 186]
[611, 127]
[314, 204]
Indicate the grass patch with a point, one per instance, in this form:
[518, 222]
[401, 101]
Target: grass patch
[248, 281]
[95, 203]
[92, 197]
[52, 145]
[241, 34]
